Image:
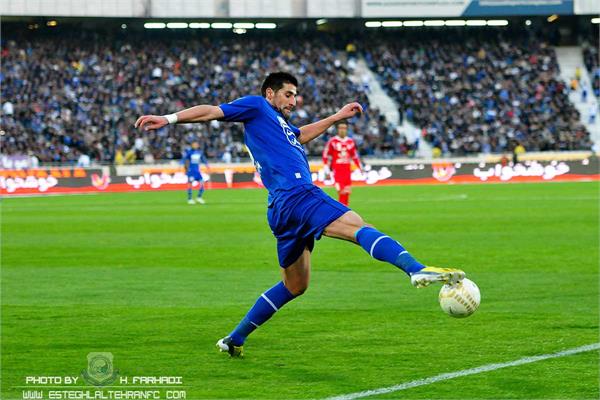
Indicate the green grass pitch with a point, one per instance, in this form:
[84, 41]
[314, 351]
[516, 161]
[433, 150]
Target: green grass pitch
[156, 282]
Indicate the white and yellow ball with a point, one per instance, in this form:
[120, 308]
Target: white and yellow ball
[460, 300]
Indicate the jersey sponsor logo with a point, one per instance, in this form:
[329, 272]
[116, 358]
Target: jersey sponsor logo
[291, 137]
[195, 158]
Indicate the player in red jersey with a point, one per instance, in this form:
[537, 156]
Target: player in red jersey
[342, 151]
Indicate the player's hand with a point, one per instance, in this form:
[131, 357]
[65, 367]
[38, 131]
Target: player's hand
[150, 122]
[349, 110]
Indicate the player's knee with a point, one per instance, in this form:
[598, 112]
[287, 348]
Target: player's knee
[300, 291]
[298, 288]
[355, 220]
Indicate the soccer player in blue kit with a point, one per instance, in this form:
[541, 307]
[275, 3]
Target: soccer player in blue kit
[192, 159]
[298, 211]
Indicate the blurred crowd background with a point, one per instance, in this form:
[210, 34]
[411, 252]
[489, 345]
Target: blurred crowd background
[75, 98]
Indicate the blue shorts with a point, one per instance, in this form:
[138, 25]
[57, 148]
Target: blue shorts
[299, 216]
[194, 176]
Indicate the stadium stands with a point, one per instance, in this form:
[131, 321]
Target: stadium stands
[64, 97]
[480, 94]
[68, 96]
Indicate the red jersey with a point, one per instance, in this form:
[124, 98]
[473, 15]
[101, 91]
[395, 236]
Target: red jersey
[342, 152]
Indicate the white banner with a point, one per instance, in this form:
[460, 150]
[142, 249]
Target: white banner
[331, 8]
[413, 8]
[587, 7]
[261, 8]
[470, 8]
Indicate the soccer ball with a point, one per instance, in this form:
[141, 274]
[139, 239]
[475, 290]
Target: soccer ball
[460, 300]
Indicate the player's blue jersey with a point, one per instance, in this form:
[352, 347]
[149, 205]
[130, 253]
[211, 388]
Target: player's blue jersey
[194, 157]
[273, 142]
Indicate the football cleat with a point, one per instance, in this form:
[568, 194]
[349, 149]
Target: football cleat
[200, 200]
[429, 275]
[226, 346]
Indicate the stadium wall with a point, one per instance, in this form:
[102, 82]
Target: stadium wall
[293, 8]
[44, 181]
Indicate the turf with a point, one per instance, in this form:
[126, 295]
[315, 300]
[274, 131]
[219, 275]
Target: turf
[156, 282]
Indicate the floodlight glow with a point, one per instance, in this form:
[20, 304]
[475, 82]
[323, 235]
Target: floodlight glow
[434, 22]
[155, 25]
[239, 31]
[243, 25]
[266, 25]
[497, 22]
[476, 22]
[552, 18]
[221, 25]
[455, 22]
[199, 25]
[177, 25]
[373, 24]
[413, 23]
[595, 20]
[321, 21]
[391, 24]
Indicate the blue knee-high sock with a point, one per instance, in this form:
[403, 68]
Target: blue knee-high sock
[201, 190]
[267, 304]
[384, 248]
[189, 192]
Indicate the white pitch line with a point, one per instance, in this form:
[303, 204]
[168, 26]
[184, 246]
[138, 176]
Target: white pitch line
[465, 372]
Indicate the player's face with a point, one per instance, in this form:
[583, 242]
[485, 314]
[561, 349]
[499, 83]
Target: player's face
[195, 145]
[342, 130]
[284, 99]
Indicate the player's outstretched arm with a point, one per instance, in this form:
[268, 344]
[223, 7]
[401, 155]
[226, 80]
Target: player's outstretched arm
[311, 131]
[201, 113]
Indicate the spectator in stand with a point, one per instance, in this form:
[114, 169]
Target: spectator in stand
[517, 152]
[590, 57]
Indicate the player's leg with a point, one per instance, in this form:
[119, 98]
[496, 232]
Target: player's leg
[295, 278]
[189, 190]
[342, 183]
[351, 227]
[338, 189]
[345, 195]
[199, 199]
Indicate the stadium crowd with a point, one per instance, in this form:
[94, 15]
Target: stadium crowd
[471, 95]
[68, 98]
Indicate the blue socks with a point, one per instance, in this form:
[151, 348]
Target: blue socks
[264, 308]
[384, 248]
[200, 191]
[378, 245]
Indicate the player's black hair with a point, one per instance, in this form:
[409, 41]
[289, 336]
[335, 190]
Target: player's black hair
[341, 122]
[276, 80]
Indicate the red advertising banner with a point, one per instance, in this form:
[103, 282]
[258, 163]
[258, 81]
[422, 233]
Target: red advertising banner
[40, 181]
